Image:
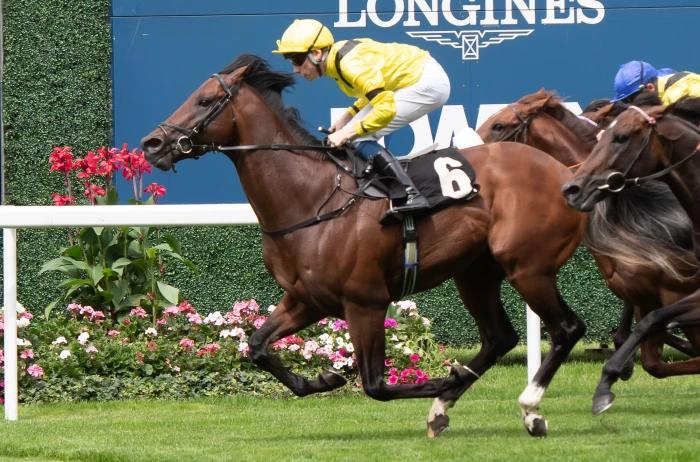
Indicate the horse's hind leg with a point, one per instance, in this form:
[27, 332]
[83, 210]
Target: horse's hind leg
[565, 328]
[289, 317]
[653, 363]
[684, 312]
[479, 288]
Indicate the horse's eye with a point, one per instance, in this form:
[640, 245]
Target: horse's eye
[204, 102]
[620, 138]
[497, 127]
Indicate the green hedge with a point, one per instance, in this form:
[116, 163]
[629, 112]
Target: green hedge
[58, 91]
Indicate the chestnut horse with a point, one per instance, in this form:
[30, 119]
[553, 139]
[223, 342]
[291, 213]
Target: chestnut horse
[643, 144]
[325, 247]
[640, 238]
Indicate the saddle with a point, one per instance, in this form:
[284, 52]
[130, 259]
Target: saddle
[442, 176]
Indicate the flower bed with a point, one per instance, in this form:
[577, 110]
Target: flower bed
[83, 355]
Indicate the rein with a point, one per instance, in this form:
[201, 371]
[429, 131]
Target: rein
[185, 145]
[617, 181]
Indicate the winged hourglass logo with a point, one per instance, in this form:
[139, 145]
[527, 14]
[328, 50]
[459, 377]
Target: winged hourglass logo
[470, 41]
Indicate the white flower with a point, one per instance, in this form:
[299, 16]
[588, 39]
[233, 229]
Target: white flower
[240, 333]
[22, 322]
[326, 339]
[152, 332]
[23, 342]
[64, 354]
[426, 322]
[243, 347]
[407, 351]
[349, 347]
[214, 318]
[340, 341]
[271, 308]
[91, 349]
[394, 338]
[83, 338]
[60, 341]
[293, 347]
[347, 335]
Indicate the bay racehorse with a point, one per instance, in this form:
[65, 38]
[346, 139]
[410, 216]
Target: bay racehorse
[641, 238]
[642, 144]
[325, 247]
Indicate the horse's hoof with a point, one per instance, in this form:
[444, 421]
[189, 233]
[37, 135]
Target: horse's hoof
[332, 380]
[602, 401]
[536, 425]
[627, 370]
[438, 425]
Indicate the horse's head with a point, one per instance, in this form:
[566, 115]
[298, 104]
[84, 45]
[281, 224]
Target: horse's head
[512, 122]
[637, 143]
[603, 111]
[208, 117]
[205, 119]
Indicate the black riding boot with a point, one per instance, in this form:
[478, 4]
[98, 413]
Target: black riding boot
[388, 165]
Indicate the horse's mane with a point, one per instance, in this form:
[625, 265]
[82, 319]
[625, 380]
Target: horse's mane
[269, 84]
[552, 104]
[647, 217]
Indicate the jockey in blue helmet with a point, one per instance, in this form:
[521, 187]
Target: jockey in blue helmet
[631, 78]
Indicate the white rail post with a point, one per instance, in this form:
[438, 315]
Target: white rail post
[9, 274]
[534, 352]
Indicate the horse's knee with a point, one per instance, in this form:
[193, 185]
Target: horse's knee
[377, 390]
[257, 347]
[656, 369]
[569, 332]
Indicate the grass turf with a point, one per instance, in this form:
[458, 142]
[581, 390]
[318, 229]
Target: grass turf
[652, 420]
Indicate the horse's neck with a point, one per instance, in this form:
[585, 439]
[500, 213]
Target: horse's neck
[553, 137]
[585, 131]
[684, 181]
[283, 187]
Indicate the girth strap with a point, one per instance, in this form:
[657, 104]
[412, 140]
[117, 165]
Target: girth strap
[410, 256]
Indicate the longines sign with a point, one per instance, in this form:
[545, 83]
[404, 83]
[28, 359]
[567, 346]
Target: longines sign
[471, 15]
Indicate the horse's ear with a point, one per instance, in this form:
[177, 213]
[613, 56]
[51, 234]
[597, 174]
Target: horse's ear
[238, 74]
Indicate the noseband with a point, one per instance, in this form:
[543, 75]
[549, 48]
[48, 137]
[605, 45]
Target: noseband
[185, 143]
[617, 181]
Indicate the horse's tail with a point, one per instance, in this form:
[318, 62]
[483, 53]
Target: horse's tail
[644, 226]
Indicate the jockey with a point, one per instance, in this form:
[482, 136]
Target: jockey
[394, 84]
[670, 86]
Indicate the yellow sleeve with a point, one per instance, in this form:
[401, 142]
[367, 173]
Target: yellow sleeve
[383, 110]
[677, 91]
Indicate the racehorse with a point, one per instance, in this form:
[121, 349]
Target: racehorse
[643, 144]
[325, 247]
[640, 238]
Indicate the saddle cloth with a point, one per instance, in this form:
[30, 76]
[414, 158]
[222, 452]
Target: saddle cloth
[442, 176]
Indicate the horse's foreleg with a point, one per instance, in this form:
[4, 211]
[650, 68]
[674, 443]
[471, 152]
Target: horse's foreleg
[289, 317]
[622, 333]
[366, 326]
[479, 289]
[683, 311]
[565, 329]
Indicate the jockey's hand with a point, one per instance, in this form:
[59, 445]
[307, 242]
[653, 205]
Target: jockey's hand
[340, 137]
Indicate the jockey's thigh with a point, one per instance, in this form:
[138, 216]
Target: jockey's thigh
[413, 102]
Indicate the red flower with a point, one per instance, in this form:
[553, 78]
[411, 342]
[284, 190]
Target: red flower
[92, 191]
[61, 200]
[156, 189]
[61, 159]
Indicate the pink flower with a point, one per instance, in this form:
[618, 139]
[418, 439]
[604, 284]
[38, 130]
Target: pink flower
[112, 333]
[74, 307]
[138, 312]
[126, 321]
[414, 358]
[156, 189]
[392, 380]
[171, 311]
[27, 354]
[161, 322]
[194, 318]
[389, 323]
[208, 349]
[61, 159]
[186, 344]
[2, 356]
[86, 310]
[185, 307]
[339, 324]
[91, 349]
[62, 200]
[441, 348]
[97, 316]
[259, 321]
[35, 371]
[388, 362]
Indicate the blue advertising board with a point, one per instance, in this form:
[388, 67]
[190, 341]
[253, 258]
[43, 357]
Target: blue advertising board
[494, 51]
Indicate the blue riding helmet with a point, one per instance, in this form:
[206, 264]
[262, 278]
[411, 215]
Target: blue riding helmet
[631, 77]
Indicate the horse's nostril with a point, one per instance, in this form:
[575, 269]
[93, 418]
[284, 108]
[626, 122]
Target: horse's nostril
[570, 189]
[152, 145]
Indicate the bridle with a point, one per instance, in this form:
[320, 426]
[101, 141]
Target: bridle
[185, 143]
[521, 128]
[616, 181]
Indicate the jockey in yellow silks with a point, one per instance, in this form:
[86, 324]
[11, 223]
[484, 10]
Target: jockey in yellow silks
[393, 83]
